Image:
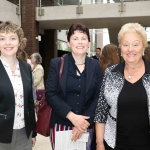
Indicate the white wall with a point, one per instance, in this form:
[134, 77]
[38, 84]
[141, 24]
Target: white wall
[8, 12]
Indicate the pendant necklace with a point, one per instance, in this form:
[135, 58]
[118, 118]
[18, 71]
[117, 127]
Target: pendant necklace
[130, 75]
[13, 70]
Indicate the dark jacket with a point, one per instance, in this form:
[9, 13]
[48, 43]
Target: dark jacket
[56, 91]
[7, 102]
[95, 57]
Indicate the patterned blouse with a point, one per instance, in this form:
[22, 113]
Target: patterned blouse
[16, 81]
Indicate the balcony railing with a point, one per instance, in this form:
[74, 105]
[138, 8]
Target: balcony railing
[16, 2]
[76, 2]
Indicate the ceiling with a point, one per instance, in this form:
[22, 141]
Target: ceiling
[97, 23]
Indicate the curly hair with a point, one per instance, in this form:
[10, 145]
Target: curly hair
[10, 27]
[134, 28]
[37, 58]
[109, 56]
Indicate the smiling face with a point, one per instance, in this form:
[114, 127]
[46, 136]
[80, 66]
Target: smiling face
[9, 43]
[79, 43]
[132, 48]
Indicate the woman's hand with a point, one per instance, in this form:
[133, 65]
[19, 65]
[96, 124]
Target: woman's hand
[33, 141]
[78, 121]
[76, 134]
[100, 146]
[36, 103]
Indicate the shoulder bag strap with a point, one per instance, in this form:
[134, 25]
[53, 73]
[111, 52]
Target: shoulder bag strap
[61, 68]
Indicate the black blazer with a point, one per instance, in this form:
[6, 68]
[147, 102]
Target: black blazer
[95, 57]
[56, 91]
[7, 102]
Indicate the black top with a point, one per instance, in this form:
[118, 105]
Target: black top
[132, 119]
[75, 88]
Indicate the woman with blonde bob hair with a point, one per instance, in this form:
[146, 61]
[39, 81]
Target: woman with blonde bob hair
[17, 116]
[123, 110]
[109, 56]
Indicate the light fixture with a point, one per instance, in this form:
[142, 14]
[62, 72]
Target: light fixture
[38, 38]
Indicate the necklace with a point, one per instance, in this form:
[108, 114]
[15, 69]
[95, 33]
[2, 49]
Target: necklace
[130, 74]
[80, 64]
[13, 68]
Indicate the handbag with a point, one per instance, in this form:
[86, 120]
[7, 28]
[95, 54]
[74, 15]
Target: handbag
[39, 94]
[44, 112]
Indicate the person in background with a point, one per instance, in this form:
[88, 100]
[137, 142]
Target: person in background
[123, 111]
[17, 116]
[147, 53]
[148, 43]
[109, 56]
[74, 98]
[98, 52]
[24, 56]
[38, 71]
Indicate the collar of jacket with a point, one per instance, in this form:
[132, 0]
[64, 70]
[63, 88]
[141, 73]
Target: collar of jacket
[89, 68]
[120, 67]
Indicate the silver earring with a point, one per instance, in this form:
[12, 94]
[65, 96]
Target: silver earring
[143, 54]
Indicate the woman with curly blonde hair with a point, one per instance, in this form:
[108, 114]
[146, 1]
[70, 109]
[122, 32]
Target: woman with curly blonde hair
[109, 56]
[17, 116]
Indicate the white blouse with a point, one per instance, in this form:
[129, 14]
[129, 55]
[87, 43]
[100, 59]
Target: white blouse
[17, 85]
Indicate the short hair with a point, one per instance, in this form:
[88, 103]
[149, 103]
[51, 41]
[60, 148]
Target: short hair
[134, 28]
[98, 48]
[78, 27]
[10, 27]
[108, 56]
[147, 53]
[37, 57]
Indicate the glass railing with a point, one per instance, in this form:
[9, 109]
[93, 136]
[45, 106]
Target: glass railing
[16, 2]
[76, 2]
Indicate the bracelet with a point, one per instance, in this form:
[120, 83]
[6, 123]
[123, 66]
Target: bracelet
[99, 145]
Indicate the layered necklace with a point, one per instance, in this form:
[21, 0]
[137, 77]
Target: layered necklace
[135, 69]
